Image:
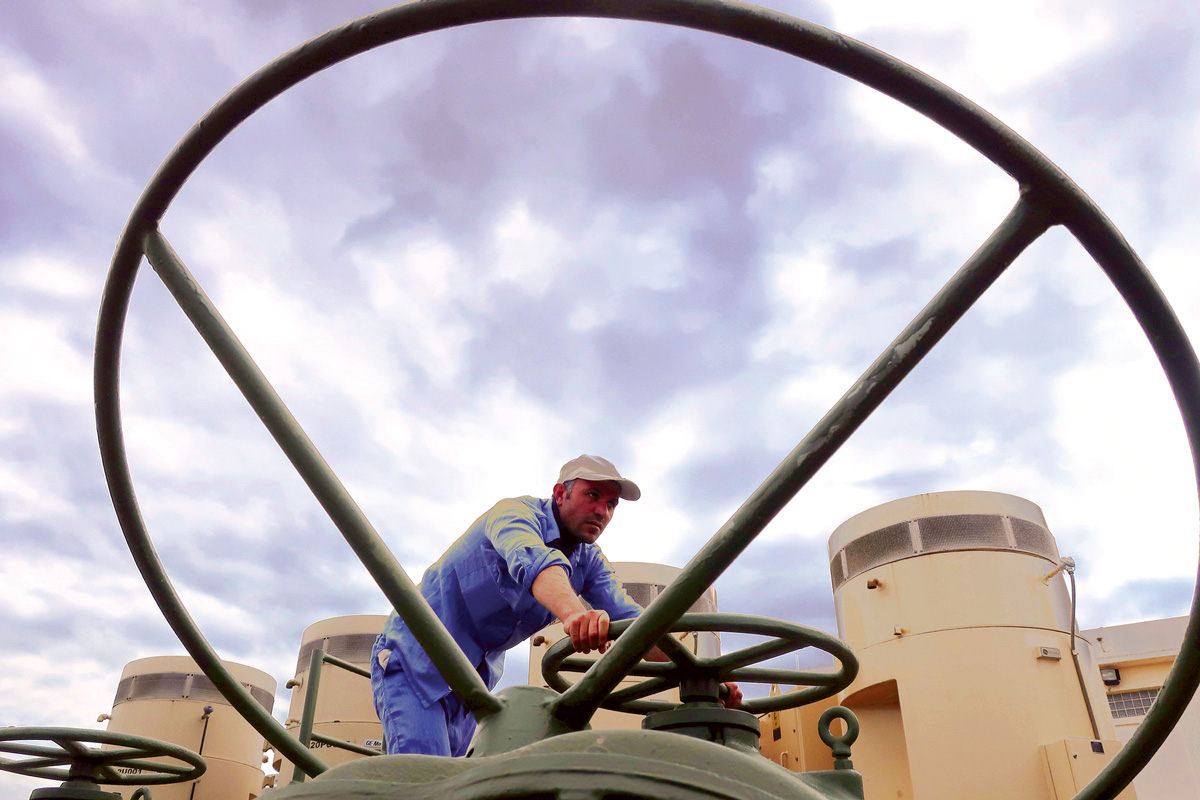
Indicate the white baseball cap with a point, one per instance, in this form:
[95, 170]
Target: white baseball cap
[595, 468]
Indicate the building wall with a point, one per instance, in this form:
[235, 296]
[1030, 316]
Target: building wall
[1143, 652]
[789, 737]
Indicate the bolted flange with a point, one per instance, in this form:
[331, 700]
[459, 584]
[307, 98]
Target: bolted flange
[74, 790]
[711, 722]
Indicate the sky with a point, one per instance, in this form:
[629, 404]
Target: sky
[466, 258]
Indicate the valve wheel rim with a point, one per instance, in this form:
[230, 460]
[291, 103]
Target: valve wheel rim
[65, 758]
[789, 637]
[1044, 189]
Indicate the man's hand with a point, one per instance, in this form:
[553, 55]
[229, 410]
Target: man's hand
[588, 630]
[587, 627]
[734, 697]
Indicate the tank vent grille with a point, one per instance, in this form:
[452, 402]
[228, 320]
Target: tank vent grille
[938, 535]
[963, 532]
[884, 545]
[1032, 538]
[192, 686]
[646, 593]
[352, 647]
[837, 570]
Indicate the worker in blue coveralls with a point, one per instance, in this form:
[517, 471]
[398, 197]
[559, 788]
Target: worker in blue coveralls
[518, 568]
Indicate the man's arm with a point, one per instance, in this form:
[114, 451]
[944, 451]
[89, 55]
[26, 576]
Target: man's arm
[512, 528]
[513, 532]
[588, 628]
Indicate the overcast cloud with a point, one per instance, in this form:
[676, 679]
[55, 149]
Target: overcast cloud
[466, 258]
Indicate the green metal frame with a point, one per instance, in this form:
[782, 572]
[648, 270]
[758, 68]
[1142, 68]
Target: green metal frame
[1047, 197]
[312, 687]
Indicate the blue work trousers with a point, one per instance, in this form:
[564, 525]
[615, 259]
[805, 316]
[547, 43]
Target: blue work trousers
[443, 729]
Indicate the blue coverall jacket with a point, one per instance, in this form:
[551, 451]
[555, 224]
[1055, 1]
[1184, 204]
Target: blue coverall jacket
[481, 590]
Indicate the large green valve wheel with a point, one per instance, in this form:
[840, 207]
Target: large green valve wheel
[740, 666]
[1046, 198]
[62, 754]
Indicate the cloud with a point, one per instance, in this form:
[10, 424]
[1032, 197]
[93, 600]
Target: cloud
[466, 258]
[1138, 600]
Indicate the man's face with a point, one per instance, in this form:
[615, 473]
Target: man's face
[585, 512]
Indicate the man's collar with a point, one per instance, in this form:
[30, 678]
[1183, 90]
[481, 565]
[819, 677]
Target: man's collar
[564, 542]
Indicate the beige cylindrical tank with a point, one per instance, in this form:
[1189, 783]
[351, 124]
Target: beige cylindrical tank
[167, 697]
[345, 709]
[643, 582]
[967, 683]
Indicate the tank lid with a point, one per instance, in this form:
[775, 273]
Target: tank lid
[351, 623]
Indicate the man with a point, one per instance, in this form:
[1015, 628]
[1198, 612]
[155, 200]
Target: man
[520, 566]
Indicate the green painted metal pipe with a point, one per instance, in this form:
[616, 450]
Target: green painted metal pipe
[1025, 223]
[312, 685]
[346, 665]
[1178, 359]
[316, 472]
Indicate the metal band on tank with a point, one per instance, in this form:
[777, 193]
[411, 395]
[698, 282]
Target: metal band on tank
[940, 534]
[194, 686]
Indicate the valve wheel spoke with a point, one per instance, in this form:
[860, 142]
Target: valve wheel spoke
[752, 655]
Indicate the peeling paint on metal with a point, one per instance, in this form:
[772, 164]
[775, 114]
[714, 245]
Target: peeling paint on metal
[905, 347]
